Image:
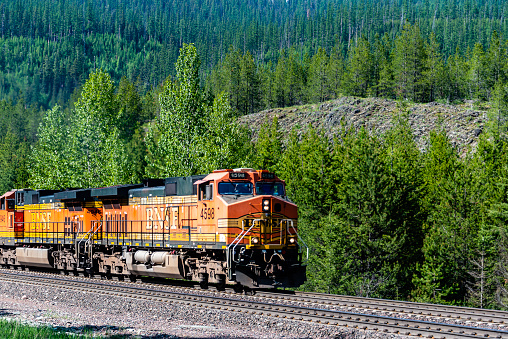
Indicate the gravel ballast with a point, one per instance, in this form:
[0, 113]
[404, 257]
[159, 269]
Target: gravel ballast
[85, 312]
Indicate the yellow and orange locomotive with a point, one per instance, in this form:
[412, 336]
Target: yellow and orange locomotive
[228, 227]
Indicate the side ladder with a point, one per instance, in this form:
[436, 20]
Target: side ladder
[230, 251]
[84, 247]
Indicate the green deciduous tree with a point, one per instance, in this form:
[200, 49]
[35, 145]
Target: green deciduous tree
[190, 136]
[49, 165]
[173, 139]
[96, 150]
[224, 143]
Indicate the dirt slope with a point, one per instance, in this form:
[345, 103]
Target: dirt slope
[462, 123]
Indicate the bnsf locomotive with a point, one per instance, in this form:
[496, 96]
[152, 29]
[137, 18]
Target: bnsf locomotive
[228, 227]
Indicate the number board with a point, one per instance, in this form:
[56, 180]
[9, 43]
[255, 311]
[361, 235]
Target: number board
[266, 175]
[237, 175]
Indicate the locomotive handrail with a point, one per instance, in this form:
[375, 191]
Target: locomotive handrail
[242, 234]
[88, 237]
[85, 236]
[235, 242]
[296, 233]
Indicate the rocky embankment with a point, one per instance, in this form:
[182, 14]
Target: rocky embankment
[463, 123]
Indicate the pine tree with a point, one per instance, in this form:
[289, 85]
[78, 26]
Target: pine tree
[433, 73]
[457, 77]
[452, 204]
[335, 74]
[129, 108]
[359, 71]
[477, 73]
[13, 162]
[499, 110]
[408, 59]
[268, 148]
[382, 68]
[496, 56]
[317, 83]
[249, 86]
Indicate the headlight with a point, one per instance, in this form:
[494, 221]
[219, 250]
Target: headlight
[255, 240]
[266, 205]
[292, 240]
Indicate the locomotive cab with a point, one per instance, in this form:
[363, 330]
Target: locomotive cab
[256, 225]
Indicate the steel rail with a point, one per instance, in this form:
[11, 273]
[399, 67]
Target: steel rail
[320, 316]
[383, 305]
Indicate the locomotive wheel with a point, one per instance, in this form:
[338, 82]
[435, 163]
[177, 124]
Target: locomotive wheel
[221, 285]
[132, 278]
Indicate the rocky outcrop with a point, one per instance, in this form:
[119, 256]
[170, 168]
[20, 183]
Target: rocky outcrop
[462, 123]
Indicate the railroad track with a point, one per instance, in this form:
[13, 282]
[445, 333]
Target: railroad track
[395, 306]
[298, 313]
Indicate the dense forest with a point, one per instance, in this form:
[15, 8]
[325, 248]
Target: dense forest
[48, 48]
[99, 92]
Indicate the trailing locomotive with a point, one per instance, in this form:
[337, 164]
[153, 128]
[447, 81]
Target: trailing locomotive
[228, 227]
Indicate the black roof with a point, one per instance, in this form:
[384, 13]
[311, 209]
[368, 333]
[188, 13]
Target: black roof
[80, 195]
[33, 196]
[120, 191]
[184, 185]
[170, 186]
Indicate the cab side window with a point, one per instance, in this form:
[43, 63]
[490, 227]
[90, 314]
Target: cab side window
[206, 191]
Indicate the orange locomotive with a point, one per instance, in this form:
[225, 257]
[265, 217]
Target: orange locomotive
[231, 226]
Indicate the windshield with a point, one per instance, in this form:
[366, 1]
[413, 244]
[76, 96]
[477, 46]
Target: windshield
[269, 188]
[235, 188]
